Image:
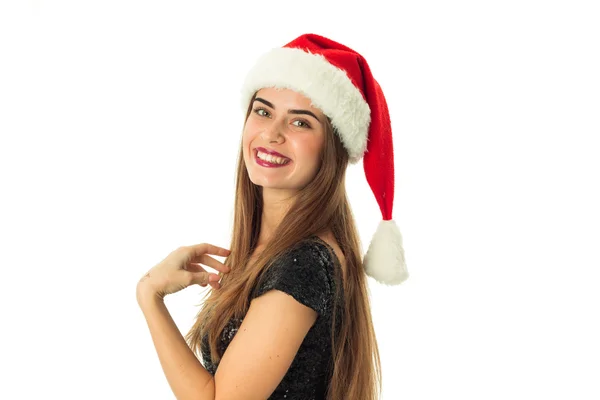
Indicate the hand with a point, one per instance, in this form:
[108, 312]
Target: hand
[181, 269]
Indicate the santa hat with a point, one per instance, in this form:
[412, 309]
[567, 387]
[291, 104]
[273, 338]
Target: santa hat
[338, 81]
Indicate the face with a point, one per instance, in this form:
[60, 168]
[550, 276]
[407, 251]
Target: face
[284, 121]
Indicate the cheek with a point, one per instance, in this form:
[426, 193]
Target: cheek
[308, 149]
[252, 122]
[249, 136]
[251, 129]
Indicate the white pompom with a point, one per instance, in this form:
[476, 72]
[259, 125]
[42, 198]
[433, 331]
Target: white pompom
[384, 260]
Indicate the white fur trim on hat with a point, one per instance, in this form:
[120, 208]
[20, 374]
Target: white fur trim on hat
[384, 260]
[327, 86]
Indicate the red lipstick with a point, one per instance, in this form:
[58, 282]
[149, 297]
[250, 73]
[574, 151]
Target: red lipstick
[267, 164]
[272, 152]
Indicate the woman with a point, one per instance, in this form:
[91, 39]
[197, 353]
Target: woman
[291, 315]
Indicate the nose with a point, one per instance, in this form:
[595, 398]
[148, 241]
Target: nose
[272, 134]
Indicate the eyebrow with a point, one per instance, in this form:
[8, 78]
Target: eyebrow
[289, 111]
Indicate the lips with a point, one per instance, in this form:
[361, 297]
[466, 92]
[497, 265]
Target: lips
[267, 164]
[272, 152]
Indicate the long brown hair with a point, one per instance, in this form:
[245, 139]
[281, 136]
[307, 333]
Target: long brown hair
[322, 205]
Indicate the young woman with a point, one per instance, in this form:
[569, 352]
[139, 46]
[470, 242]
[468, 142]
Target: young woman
[290, 317]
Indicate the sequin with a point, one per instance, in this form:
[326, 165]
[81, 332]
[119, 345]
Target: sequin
[309, 278]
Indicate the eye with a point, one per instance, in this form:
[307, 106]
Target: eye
[306, 124]
[258, 111]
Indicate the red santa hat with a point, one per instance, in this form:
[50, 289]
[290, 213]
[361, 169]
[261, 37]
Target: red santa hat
[339, 82]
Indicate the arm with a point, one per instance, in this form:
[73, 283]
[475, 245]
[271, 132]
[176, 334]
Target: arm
[186, 375]
[287, 304]
[264, 347]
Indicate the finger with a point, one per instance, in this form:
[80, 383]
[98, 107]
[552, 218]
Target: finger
[208, 260]
[194, 267]
[215, 285]
[199, 254]
[204, 248]
[203, 278]
[213, 280]
[199, 278]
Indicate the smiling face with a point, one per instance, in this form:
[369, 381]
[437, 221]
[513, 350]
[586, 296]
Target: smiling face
[284, 121]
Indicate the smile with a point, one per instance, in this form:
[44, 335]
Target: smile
[268, 164]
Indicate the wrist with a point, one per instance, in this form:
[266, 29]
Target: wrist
[145, 292]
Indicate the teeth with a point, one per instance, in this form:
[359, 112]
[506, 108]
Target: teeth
[271, 159]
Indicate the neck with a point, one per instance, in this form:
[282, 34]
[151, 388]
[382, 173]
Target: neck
[276, 203]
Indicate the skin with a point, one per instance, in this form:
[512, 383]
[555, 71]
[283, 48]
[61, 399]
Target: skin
[299, 137]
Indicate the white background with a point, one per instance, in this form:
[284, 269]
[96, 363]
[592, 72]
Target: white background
[120, 125]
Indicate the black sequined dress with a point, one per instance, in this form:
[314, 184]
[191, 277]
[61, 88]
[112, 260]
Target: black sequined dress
[307, 274]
